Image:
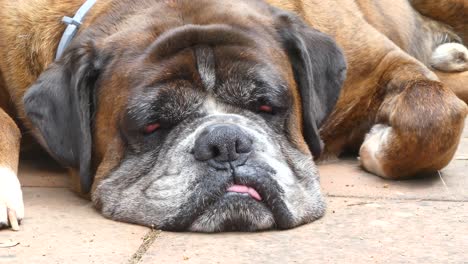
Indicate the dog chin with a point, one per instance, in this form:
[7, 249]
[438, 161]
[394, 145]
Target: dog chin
[234, 212]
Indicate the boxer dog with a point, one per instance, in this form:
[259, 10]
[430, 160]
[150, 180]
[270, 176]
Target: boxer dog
[207, 115]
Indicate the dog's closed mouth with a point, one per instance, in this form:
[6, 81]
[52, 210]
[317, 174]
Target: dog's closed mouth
[243, 189]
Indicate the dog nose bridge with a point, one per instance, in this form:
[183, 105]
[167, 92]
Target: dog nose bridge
[222, 143]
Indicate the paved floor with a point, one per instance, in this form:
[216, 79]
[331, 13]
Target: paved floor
[369, 220]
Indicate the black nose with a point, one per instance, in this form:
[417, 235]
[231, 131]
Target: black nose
[222, 143]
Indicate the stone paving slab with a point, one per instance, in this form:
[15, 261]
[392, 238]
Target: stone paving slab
[355, 230]
[62, 228]
[346, 178]
[42, 174]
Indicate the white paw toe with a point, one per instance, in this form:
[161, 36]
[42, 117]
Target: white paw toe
[371, 149]
[11, 196]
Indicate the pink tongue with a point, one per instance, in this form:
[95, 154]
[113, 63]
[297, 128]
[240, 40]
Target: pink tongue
[245, 189]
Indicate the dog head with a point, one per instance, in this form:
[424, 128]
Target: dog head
[193, 117]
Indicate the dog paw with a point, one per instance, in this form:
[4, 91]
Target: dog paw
[450, 57]
[370, 154]
[11, 199]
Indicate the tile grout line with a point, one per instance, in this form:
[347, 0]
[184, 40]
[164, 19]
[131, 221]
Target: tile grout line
[148, 240]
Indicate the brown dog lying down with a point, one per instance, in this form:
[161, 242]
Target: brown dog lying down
[204, 115]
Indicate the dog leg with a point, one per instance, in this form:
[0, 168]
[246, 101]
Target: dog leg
[457, 82]
[11, 197]
[417, 131]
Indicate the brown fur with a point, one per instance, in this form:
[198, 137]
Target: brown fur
[453, 13]
[457, 81]
[9, 142]
[385, 83]
[375, 36]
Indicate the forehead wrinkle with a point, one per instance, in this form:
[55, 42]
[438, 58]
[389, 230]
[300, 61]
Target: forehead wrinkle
[190, 35]
[246, 75]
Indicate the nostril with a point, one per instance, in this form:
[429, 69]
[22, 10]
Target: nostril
[203, 151]
[243, 145]
[215, 152]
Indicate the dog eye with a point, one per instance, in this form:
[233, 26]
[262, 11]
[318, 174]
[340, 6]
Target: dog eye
[265, 109]
[150, 128]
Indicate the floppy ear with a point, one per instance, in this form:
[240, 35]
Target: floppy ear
[60, 106]
[319, 69]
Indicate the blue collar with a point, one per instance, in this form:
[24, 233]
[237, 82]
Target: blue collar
[73, 24]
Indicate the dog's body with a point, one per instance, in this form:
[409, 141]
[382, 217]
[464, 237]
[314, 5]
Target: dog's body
[107, 107]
